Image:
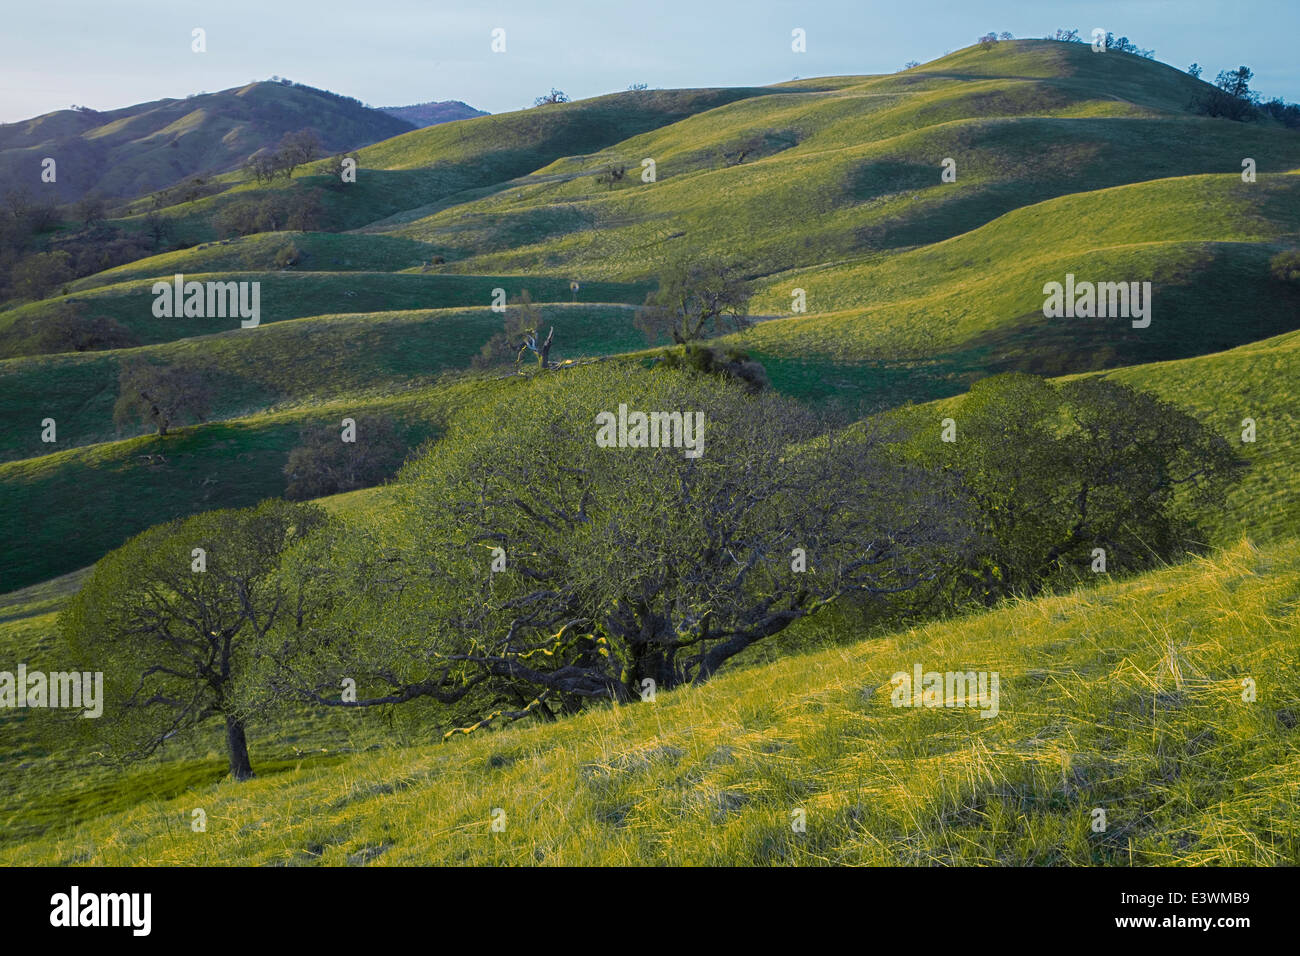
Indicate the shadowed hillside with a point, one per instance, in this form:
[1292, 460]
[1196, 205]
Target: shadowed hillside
[147, 147]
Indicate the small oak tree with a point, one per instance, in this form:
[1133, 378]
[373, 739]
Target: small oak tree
[170, 617]
[696, 299]
[160, 396]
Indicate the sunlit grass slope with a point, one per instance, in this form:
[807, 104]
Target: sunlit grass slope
[929, 321]
[438, 164]
[807, 177]
[1127, 698]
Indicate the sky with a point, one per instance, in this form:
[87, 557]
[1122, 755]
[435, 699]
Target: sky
[107, 54]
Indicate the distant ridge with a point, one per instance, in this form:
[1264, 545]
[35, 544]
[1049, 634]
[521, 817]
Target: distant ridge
[139, 149]
[433, 112]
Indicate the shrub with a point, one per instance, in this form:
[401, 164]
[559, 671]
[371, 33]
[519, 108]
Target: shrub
[324, 464]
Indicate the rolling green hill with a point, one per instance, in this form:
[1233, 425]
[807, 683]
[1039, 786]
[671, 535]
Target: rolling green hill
[294, 295]
[931, 320]
[915, 287]
[288, 363]
[418, 172]
[69, 508]
[807, 177]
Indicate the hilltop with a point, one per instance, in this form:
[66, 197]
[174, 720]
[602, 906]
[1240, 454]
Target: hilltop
[434, 112]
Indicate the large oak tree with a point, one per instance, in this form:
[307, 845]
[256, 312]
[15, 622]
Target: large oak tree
[521, 566]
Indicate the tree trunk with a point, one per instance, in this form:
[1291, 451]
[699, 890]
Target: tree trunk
[237, 748]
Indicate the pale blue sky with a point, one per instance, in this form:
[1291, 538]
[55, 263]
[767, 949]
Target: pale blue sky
[112, 53]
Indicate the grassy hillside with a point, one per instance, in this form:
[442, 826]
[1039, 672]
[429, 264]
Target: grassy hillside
[791, 180]
[929, 321]
[293, 295]
[1126, 698]
[414, 173]
[71, 507]
[289, 363]
[1260, 381]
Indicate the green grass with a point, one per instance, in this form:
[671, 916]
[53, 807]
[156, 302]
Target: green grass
[854, 169]
[1127, 698]
[53, 783]
[320, 252]
[429, 167]
[295, 295]
[1259, 381]
[70, 508]
[289, 363]
[928, 322]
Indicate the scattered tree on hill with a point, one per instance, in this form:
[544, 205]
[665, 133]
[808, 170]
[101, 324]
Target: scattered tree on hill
[612, 175]
[162, 397]
[555, 96]
[169, 619]
[43, 216]
[193, 189]
[1231, 98]
[38, 275]
[1067, 36]
[1237, 83]
[333, 168]
[1285, 266]
[261, 165]
[65, 330]
[90, 209]
[286, 256]
[1195, 70]
[1056, 471]
[696, 299]
[296, 149]
[157, 228]
[1286, 113]
[1122, 45]
[296, 209]
[522, 333]
[325, 464]
[988, 40]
